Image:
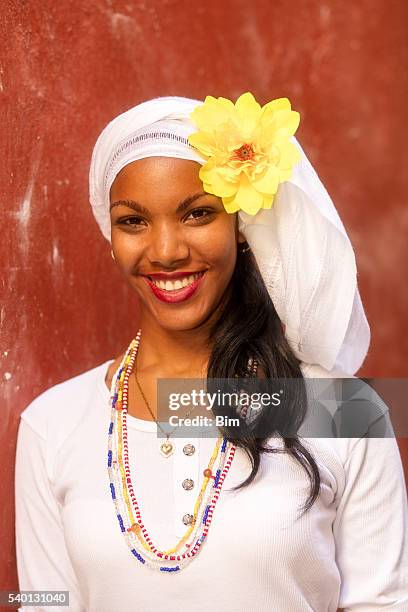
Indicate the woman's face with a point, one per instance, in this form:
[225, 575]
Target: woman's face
[163, 222]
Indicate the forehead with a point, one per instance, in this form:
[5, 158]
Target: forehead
[153, 174]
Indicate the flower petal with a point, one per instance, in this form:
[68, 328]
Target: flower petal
[287, 122]
[275, 105]
[227, 104]
[223, 182]
[204, 142]
[289, 155]
[268, 201]
[210, 115]
[281, 126]
[208, 188]
[248, 113]
[247, 198]
[269, 182]
[230, 205]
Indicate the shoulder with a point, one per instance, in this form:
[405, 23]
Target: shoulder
[62, 404]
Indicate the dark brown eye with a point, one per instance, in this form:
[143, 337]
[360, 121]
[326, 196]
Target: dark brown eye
[129, 221]
[200, 213]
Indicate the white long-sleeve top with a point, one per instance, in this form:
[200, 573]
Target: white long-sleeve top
[350, 551]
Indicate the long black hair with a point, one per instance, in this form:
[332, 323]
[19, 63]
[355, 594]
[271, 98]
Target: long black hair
[249, 326]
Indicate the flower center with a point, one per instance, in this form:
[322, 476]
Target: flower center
[244, 153]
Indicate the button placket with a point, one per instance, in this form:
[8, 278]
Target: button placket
[186, 482]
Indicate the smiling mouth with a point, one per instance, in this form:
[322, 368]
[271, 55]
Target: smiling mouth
[180, 283]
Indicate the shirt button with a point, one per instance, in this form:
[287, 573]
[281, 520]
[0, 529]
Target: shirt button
[187, 484]
[189, 449]
[188, 519]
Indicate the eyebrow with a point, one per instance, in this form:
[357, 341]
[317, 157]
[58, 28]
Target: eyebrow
[144, 211]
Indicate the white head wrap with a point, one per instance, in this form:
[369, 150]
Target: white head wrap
[301, 247]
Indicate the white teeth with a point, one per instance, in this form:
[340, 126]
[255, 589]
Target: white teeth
[178, 284]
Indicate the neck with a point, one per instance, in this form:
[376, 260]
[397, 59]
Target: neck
[176, 353]
[173, 352]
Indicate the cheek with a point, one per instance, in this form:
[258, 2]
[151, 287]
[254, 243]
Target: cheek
[223, 242]
[128, 251]
[221, 253]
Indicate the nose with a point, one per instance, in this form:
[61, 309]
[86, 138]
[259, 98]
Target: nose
[166, 246]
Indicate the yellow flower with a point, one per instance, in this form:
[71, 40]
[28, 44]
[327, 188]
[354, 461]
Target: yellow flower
[247, 148]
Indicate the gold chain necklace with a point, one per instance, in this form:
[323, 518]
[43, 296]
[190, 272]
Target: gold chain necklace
[166, 448]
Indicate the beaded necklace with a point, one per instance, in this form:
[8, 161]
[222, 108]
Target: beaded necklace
[122, 492]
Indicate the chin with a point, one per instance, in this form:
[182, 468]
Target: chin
[182, 323]
[180, 319]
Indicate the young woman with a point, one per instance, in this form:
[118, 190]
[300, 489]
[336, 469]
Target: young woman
[242, 267]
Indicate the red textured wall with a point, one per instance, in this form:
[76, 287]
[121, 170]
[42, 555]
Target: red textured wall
[68, 67]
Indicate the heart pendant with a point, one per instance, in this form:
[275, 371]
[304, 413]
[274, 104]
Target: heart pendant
[166, 449]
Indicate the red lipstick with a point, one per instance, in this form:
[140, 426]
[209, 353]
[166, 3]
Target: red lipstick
[178, 295]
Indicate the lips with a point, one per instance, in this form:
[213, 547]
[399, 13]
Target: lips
[175, 295]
